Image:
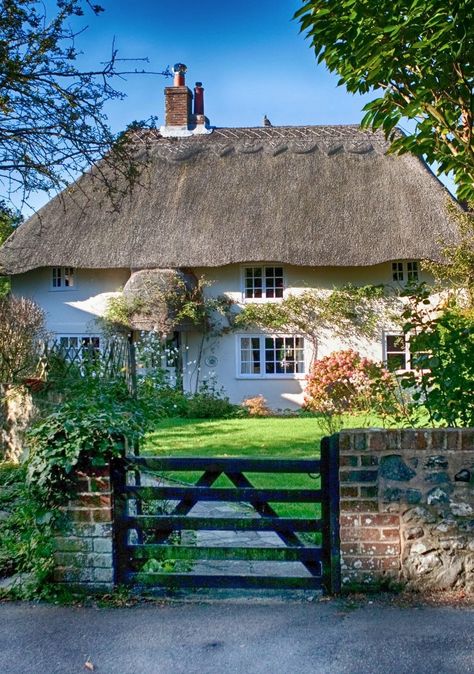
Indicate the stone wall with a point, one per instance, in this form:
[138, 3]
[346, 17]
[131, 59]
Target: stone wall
[407, 507]
[84, 549]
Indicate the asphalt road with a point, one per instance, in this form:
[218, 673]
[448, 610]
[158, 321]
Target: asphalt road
[229, 637]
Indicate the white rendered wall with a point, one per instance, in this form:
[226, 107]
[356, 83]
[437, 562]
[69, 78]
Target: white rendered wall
[71, 311]
[280, 393]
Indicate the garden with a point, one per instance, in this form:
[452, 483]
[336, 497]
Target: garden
[65, 408]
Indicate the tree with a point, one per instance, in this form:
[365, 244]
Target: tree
[52, 124]
[21, 332]
[8, 221]
[422, 58]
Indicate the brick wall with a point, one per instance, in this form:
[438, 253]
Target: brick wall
[178, 106]
[407, 507]
[84, 550]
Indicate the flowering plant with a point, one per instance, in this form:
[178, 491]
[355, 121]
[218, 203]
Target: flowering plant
[346, 383]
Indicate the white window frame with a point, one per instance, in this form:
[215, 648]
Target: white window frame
[407, 351]
[63, 273]
[243, 276]
[80, 338]
[407, 268]
[263, 375]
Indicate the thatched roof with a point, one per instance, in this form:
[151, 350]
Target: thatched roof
[318, 196]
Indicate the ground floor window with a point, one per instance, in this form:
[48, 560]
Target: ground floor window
[400, 355]
[271, 355]
[75, 347]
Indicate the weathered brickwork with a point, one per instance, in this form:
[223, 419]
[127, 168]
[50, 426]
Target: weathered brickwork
[84, 550]
[407, 507]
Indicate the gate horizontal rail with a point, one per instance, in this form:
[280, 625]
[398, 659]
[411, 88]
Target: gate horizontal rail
[142, 538]
[244, 494]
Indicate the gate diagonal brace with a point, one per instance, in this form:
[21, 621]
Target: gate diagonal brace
[207, 479]
[266, 510]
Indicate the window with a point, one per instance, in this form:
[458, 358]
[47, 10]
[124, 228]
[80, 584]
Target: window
[271, 356]
[412, 271]
[63, 278]
[405, 271]
[400, 355]
[396, 352]
[263, 283]
[78, 347]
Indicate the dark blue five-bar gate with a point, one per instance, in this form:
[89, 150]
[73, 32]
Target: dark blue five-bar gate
[154, 518]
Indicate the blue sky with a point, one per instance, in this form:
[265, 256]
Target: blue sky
[249, 55]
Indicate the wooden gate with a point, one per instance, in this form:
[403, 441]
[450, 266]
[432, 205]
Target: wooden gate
[157, 535]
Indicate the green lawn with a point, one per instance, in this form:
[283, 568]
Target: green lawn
[259, 437]
[286, 437]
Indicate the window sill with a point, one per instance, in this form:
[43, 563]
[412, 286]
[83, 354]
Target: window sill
[260, 377]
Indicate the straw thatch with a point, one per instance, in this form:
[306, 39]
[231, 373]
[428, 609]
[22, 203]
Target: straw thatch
[318, 196]
[158, 294]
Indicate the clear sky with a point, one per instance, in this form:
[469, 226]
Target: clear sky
[249, 55]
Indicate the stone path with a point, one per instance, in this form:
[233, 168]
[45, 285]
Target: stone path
[234, 539]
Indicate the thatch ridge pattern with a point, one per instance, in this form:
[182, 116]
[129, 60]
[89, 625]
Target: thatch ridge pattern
[309, 196]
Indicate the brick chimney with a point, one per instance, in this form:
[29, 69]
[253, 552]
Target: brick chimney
[180, 120]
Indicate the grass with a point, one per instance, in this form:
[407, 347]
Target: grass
[259, 437]
[264, 437]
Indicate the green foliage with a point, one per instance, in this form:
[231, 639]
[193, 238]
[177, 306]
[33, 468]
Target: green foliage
[346, 311]
[442, 346]
[26, 534]
[208, 403]
[421, 56]
[456, 271]
[90, 426]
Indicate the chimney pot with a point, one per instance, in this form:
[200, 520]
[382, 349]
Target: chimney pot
[179, 70]
[198, 99]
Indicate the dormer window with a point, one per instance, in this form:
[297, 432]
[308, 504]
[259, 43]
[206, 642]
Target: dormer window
[405, 271]
[262, 283]
[63, 278]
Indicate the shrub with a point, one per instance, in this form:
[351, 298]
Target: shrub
[442, 345]
[91, 426]
[26, 528]
[208, 403]
[346, 383]
[257, 406]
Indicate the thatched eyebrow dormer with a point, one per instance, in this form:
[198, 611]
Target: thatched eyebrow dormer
[317, 196]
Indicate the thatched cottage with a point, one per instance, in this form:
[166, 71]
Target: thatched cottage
[260, 212]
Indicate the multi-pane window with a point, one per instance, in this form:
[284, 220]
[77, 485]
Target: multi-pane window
[400, 354]
[63, 277]
[263, 283]
[412, 271]
[396, 352]
[270, 355]
[405, 271]
[77, 347]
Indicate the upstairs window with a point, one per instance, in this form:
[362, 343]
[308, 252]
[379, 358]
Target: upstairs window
[263, 283]
[405, 271]
[63, 278]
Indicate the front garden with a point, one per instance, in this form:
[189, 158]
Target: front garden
[82, 409]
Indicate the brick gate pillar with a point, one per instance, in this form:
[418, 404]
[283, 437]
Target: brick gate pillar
[84, 549]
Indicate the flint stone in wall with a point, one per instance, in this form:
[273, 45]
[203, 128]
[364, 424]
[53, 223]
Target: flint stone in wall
[461, 509]
[408, 495]
[419, 513]
[439, 495]
[438, 478]
[394, 468]
[438, 461]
